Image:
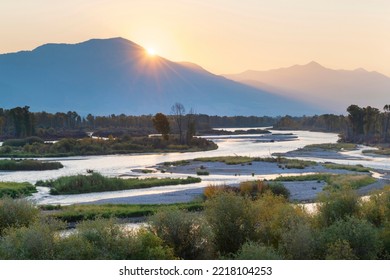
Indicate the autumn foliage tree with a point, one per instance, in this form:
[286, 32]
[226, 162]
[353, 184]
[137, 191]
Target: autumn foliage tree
[161, 124]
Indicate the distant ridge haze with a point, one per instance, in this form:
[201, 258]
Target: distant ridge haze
[332, 90]
[113, 76]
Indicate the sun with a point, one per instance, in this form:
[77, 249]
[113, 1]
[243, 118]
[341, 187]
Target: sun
[151, 51]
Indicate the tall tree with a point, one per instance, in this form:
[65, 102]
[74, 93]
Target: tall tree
[161, 124]
[191, 125]
[386, 120]
[178, 112]
[356, 119]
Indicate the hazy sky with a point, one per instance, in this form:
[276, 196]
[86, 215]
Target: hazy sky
[224, 36]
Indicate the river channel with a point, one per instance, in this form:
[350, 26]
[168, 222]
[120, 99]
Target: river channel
[127, 165]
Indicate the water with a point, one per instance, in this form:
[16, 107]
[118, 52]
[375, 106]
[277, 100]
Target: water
[123, 165]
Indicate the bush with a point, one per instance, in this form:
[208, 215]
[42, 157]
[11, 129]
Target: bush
[255, 189]
[340, 250]
[297, 242]
[105, 239]
[337, 205]
[36, 242]
[232, 221]
[187, 233]
[274, 216]
[16, 213]
[360, 235]
[256, 251]
[377, 209]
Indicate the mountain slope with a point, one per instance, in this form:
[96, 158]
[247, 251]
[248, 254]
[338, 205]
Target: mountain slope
[333, 90]
[112, 76]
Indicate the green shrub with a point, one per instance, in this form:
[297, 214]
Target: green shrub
[340, 250]
[36, 242]
[273, 217]
[105, 239]
[377, 209]
[360, 235]
[297, 241]
[187, 233]
[256, 251]
[16, 213]
[231, 219]
[337, 205]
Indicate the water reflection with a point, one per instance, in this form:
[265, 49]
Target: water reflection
[123, 165]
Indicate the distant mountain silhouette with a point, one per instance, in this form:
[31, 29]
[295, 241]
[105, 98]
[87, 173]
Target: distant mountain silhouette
[113, 76]
[332, 90]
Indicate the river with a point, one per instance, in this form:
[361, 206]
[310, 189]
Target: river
[125, 165]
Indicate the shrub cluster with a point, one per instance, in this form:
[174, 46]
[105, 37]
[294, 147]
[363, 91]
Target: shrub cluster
[232, 226]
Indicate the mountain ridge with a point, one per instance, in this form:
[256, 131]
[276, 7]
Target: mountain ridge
[333, 90]
[106, 76]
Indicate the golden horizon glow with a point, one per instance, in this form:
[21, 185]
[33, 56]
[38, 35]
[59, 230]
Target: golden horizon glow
[222, 36]
[151, 52]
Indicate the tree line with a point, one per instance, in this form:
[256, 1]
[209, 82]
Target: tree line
[362, 124]
[368, 124]
[20, 122]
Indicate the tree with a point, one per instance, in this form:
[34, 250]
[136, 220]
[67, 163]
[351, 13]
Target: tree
[191, 126]
[356, 118]
[386, 108]
[23, 121]
[161, 124]
[178, 112]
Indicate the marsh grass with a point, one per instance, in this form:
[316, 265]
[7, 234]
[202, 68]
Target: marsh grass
[333, 181]
[76, 213]
[332, 146]
[28, 165]
[16, 190]
[96, 182]
[355, 168]
[281, 161]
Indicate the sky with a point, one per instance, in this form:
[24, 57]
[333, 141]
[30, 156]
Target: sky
[223, 36]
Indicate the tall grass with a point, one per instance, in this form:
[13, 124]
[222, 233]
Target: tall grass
[16, 190]
[334, 181]
[98, 183]
[29, 164]
[75, 213]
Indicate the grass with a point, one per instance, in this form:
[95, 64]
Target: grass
[95, 182]
[281, 161]
[355, 168]
[231, 160]
[28, 148]
[16, 190]
[176, 163]
[76, 213]
[300, 178]
[28, 164]
[202, 173]
[332, 146]
[147, 171]
[333, 181]
[381, 152]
